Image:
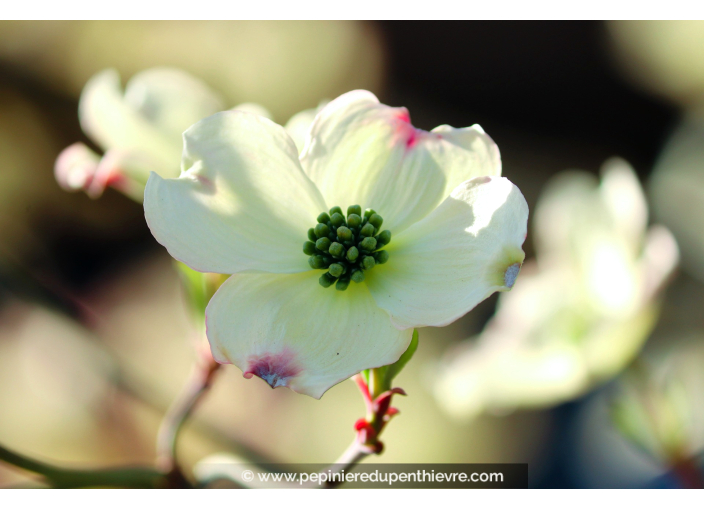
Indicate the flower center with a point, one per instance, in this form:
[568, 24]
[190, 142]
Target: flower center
[346, 247]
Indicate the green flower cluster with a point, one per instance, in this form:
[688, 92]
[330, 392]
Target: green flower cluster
[346, 247]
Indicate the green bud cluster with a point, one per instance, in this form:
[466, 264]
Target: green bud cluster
[346, 247]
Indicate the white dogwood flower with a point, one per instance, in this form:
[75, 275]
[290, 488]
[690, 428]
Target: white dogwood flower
[290, 229]
[581, 310]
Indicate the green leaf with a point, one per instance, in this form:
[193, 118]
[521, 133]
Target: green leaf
[198, 288]
[395, 368]
[365, 375]
[195, 287]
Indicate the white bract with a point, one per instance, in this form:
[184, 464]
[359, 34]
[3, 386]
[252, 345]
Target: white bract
[245, 204]
[580, 312]
[298, 125]
[139, 130]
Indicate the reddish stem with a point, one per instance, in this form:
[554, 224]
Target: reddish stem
[379, 412]
[198, 384]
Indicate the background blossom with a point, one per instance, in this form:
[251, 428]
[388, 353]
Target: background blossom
[580, 312]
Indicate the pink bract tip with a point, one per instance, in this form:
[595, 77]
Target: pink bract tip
[275, 369]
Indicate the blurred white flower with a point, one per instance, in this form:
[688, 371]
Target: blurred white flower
[139, 130]
[650, 422]
[580, 312]
[659, 406]
[244, 203]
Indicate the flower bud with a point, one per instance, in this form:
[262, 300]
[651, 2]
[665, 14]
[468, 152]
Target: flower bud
[357, 276]
[367, 230]
[337, 220]
[323, 244]
[376, 220]
[354, 221]
[316, 262]
[352, 254]
[381, 257]
[368, 262]
[326, 280]
[383, 238]
[354, 209]
[336, 270]
[368, 243]
[345, 234]
[336, 250]
[321, 230]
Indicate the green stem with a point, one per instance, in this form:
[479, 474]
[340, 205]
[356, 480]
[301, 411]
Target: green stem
[376, 382]
[23, 462]
[135, 477]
